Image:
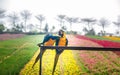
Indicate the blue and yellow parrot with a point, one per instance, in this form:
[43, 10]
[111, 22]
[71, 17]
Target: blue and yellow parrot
[50, 40]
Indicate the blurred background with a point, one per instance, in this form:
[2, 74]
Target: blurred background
[96, 17]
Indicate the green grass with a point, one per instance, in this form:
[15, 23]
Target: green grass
[97, 37]
[15, 53]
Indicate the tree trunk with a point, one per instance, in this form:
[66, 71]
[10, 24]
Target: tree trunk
[119, 28]
[40, 26]
[25, 26]
[103, 30]
[89, 26]
[70, 26]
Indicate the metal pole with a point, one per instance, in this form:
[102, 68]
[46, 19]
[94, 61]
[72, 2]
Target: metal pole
[82, 48]
[73, 48]
[40, 68]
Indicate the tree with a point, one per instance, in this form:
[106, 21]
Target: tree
[31, 27]
[2, 14]
[2, 11]
[2, 28]
[41, 18]
[14, 19]
[89, 21]
[71, 21]
[53, 28]
[117, 23]
[89, 32]
[103, 22]
[26, 15]
[21, 27]
[85, 30]
[18, 28]
[64, 27]
[61, 19]
[46, 28]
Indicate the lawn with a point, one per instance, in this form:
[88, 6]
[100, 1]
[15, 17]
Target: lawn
[15, 53]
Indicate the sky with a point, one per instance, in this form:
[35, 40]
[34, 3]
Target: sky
[109, 9]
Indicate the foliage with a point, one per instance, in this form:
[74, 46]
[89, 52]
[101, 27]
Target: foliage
[46, 29]
[26, 15]
[52, 29]
[14, 18]
[117, 23]
[89, 21]
[41, 18]
[17, 28]
[72, 20]
[89, 32]
[103, 22]
[31, 27]
[2, 13]
[64, 28]
[71, 32]
[2, 28]
[61, 19]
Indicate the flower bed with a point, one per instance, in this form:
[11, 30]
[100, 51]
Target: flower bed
[112, 38]
[104, 43]
[101, 42]
[100, 62]
[66, 64]
[10, 36]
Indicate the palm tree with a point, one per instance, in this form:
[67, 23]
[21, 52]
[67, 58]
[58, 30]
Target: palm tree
[85, 30]
[117, 24]
[61, 19]
[30, 27]
[2, 28]
[2, 14]
[71, 21]
[103, 22]
[14, 18]
[26, 15]
[89, 21]
[2, 11]
[52, 29]
[46, 29]
[41, 18]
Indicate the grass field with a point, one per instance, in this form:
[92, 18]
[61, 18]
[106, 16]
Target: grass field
[15, 53]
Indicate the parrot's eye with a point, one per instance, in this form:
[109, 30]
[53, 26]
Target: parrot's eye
[60, 33]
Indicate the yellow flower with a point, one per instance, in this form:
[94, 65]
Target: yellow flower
[112, 37]
[66, 64]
